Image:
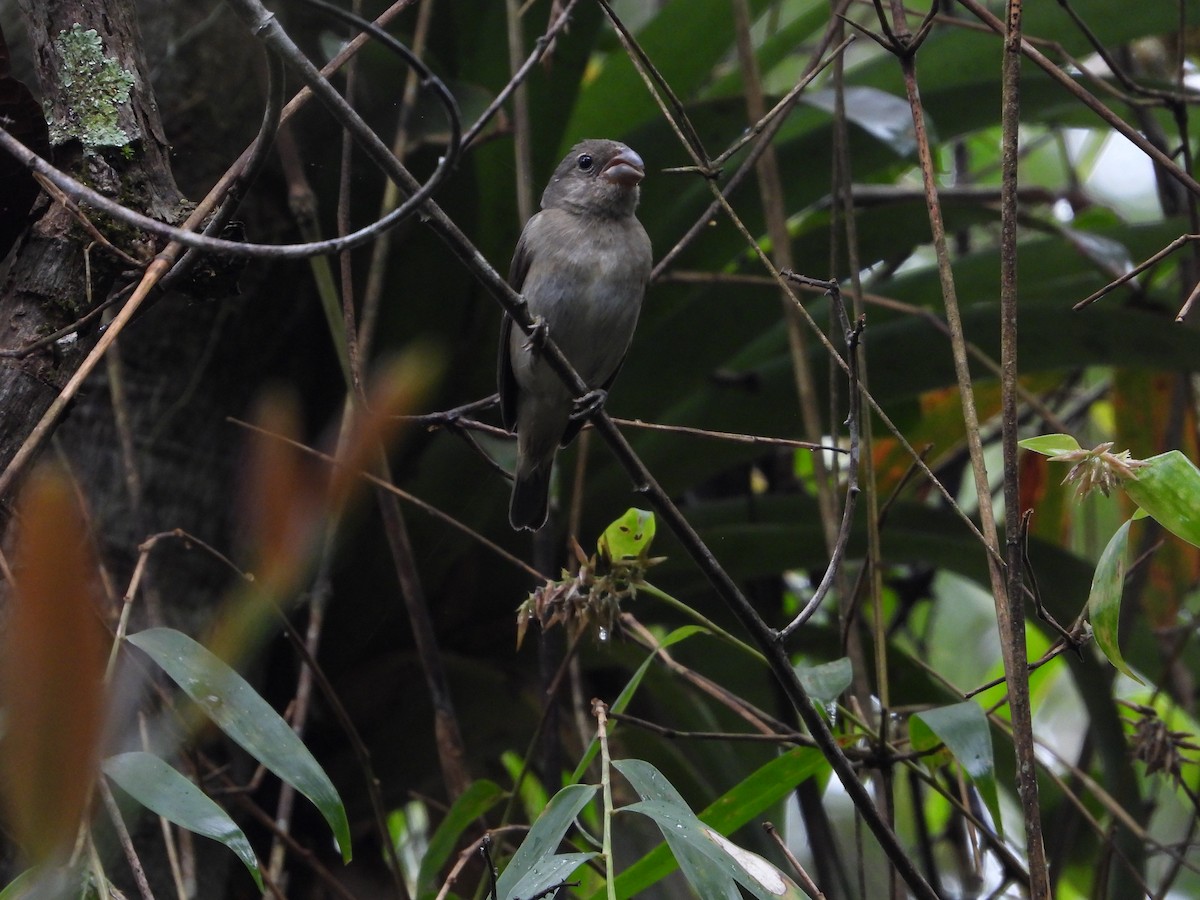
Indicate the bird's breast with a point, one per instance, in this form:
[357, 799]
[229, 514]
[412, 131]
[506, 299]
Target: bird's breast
[587, 284]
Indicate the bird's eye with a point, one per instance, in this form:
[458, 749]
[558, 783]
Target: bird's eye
[585, 162]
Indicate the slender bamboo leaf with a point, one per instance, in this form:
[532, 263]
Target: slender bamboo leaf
[238, 710]
[630, 689]
[703, 853]
[477, 799]
[1104, 599]
[164, 791]
[766, 786]
[536, 852]
[20, 887]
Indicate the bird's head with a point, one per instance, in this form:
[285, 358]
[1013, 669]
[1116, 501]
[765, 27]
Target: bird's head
[597, 177]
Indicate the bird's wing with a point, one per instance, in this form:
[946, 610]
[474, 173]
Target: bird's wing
[505, 379]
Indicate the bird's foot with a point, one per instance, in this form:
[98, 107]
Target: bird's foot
[588, 405]
[537, 336]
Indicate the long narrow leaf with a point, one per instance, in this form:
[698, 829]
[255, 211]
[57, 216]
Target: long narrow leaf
[238, 710]
[1104, 599]
[476, 800]
[630, 689]
[544, 837]
[760, 790]
[709, 860]
[162, 790]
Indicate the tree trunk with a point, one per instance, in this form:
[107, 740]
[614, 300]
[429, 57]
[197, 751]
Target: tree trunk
[106, 132]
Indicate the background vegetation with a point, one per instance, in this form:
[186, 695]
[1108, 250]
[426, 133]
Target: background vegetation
[381, 620]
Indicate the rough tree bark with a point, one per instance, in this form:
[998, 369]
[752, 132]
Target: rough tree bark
[105, 125]
[147, 438]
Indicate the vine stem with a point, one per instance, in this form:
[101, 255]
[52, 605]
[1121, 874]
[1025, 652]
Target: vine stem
[600, 711]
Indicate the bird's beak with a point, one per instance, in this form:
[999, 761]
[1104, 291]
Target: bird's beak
[625, 169]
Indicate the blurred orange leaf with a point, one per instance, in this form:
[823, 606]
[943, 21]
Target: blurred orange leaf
[51, 672]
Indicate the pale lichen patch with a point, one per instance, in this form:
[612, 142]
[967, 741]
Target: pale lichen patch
[93, 87]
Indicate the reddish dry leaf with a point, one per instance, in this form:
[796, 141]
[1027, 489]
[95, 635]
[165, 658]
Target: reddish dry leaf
[51, 672]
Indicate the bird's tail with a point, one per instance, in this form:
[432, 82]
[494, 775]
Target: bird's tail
[530, 506]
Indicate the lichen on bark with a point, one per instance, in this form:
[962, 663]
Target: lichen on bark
[92, 87]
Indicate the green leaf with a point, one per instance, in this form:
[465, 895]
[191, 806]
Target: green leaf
[629, 537]
[21, 886]
[477, 799]
[616, 100]
[1050, 444]
[884, 116]
[707, 878]
[1168, 488]
[825, 683]
[1104, 599]
[710, 861]
[546, 874]
[238, 710]
[165, 792]
[533, 794]
[761, 789]
[630, 689]
[536, 853]
[963, 729]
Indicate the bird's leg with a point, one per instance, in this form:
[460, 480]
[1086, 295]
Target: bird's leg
[589, 404]
[537, 336]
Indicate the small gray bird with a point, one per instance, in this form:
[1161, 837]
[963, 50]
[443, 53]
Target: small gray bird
[582, 264]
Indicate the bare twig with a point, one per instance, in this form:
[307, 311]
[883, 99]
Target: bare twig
[1010, 619]
[806, 882]
[118, 823]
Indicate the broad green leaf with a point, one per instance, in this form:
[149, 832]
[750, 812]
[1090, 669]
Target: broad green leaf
[238, 710]
[1050, 444]
[537, 850]
[1104, 599]
[825, 683]
[477, 799]
[629, 537]
[703, 853]
[963, 729]
[617, 100]
[630, 689]
[884, 116]
[165, 792]
[1169, 490]
[778, 49]
[740, 804]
